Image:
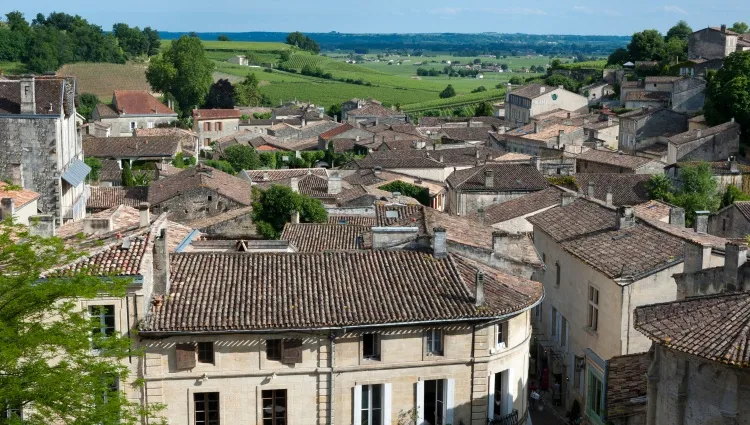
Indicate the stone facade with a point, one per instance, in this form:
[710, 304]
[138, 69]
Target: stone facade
[209, 130]
[711, 43]
[521, 109]
[125, 125]
[688, 95]
[641, 129]
[729, 222]
[195, 204]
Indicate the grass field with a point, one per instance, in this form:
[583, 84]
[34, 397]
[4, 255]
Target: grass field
[12, 68]
[102, 79]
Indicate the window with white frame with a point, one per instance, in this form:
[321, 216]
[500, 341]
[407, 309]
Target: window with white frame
[372, 405]
[434, 342]
[501, 340]
[150, 124]
[11, 411]
[133, 125]
[593, 309]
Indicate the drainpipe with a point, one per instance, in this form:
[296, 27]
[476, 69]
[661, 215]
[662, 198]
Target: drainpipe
[331, 358]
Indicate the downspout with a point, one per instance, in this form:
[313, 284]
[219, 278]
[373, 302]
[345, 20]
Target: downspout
[331, 382]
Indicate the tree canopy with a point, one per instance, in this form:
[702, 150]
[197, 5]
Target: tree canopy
[646, 45]
[184, 71]
[680, 31]
[272, 209]
[695, 191]
[220, 95]
[448, 92]
[484, 109]
[135, 42]
[303, 42]
[247, 92]
[728, 93]
[561, 80]
[49, 366]
[241, 157]
[86, 104]
[739, 27]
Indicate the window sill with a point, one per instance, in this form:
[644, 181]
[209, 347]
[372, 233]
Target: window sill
[591, 331]
[371, 359]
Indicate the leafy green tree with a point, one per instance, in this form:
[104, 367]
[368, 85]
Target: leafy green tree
[223, 37]
[516, 81]
[285, 55]
[335, 111]
[728, 93]
[86, 104]
[154, 41]
[132, 40]
[273, 207]
[303, 42]
[247, 92]
[731, 195]
[48, 368]
[220, 165]
[680, 31]
[660, 188]
[96, 167]
[241, 157]
[221, 95]
[739, 27]
[696, 190]
[448, 92]
[128, 179]
[676, 49]
[561, 80]
[184, 71]
[421, 194]
[618, 57]
[646, 45]
[484, 109]
[479, 89]
[141, 178]
[268, 160]
[180, 161]
[504, 66]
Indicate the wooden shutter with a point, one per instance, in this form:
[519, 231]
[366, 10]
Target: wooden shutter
[420, 403]
[292, 351]
[387, 402]
[357, 411]
[185, 356]
[450, 391]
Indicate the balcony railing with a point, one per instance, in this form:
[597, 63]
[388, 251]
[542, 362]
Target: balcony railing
[509, 419]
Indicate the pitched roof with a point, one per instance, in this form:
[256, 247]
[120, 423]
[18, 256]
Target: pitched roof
[131, 147]
[533, 91]
[343, 128]
[626, 189]
[613, 158]
[49, 93]
[578, 218]
[662, 79]
[356, 220]
[105, 111]
[506, 176]
[139, 102]
[226, 292]
[692, 135]
[215, 114]
[259, 176]
[372, 110]
[20, 197]
[108, 197]
[715, 327]
[627, 384]
[320, 237]
[654, 210]
[527, 204]
[467, 133]
[415, 158]
[205, 222]
[197, 177]
[651, 96]
[744, 208]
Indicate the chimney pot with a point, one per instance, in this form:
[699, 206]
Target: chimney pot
[609, 198]
[735, 256]
[625, 217]
[701, 221]
[536, 127]
[334, 184]
[723, 28]
[294, 184]
[489, 179]
[567, 198]
[42, 225]
[479, 297]
[28, 95]
[440, 242]
[161, 263]
[677, 216]
[295, 217]
[697, 257]
[8, 208]
[145, 214]
[592, 190]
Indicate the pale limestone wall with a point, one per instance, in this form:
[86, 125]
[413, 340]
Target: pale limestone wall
[565, 100]
[519, 224]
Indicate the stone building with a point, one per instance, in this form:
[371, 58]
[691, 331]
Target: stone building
[715, 43]
[213, 124]
[644, 127]
[711, 144]
[732, 221]
[20, 204]
[512, 215]
[601, 161]
[602, 263]
[526, 102]
[40, 146]
[478, 187]
[131, 110]
[698, 374]
[626, 392]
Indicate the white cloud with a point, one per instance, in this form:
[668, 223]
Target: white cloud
[670, 8]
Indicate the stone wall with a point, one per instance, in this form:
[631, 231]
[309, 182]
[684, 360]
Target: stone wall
[121, 126]
[583, 166]
[708, 44]
[717, 147]
[471, 202]
[238, 227]
[195, 204]
[729, 223]
[689, 95]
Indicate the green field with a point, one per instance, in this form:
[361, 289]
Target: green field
[102, 79]
[12, 68]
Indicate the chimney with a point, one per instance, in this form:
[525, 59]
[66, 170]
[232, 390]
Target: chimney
[95, 225]
[295, 217]
[145, 214]
[697, 257]
[542, 89]
[561, 86]
[489, 178]
[733, 168]
[735, 255]
[609, 198]
[677, 216]
[441, 158]
[161, 263]
[479, 297]
[42, 225]
[625, 217]
[592, 190]
[8, 208]
[440, 242]
[294, 184]
[28, 95]
[266, 176]
[334, 184]
[723, 28]
[567, 198]
[304, 122]
[536, 127]
[481, 215]
[357, 138]
[536, 162]
[16, 174]
[701, 221]
[699, 133]
[377, 170]
[568, 115]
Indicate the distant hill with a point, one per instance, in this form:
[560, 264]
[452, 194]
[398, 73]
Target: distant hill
[464, 44]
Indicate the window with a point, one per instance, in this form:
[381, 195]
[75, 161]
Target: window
[724, 224]
[502, 335]
[593, 322]
[103, 319]
[273, 349]
[210, 198]
[434, 342]
[553, 321]
[133, 125]
[578, 363]
[544, 258]
[206, 352]
[284, 350]
[595, 399]
[274, 407]
[563, 333]
[11, 411]
[206, 408]
[372, 404]
[557, 273]
[150, 124]
[371, 347]
[219, 126]
[434, 401]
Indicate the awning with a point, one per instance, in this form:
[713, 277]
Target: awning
[76, 172]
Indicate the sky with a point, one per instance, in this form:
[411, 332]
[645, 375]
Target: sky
[587, 17]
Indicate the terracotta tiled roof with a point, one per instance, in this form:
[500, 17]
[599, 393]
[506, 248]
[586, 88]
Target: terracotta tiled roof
[626, 189]
[524, 205]
[428, 159]
[660, 79]
[139, 102]
[506, 177]
[715, 327]
[215, 114]
[343, 128]
[122, 216]
[372, 110]
[578, 218]
[187, 138]
[627, 384]
[106, 111]
[225, 292]
[48, 94]
[613, 158]
[631, 84]
[108, 197]
[355, 220]
[258, 176]
[467, 134]
[131, 147]
[651, 96]
[121, 258]
[320, 237]
[201, 177]
[692, 135]
[20, 197]
[654, 210]
[533, 91]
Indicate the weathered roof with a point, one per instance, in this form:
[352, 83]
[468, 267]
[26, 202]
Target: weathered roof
[139, 102]
[626, 189]
[506, 176]
[214, 114]
[656, 79]
[654, 210]
[532, 91]
[205, 222]
[617, 159]
[578, 218]
[230, 292]
[372, 110]
[49, 94]
[356, 220]
[320, 237]
[467, 133]
[131, 147]
[527, 204]
[108, 197]
[265, 176]
[715, 327]
[651, 96]
[343, 128]
[627, 384]
[20, 197]
[692, 135]
[201, 177]
[105, 111]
